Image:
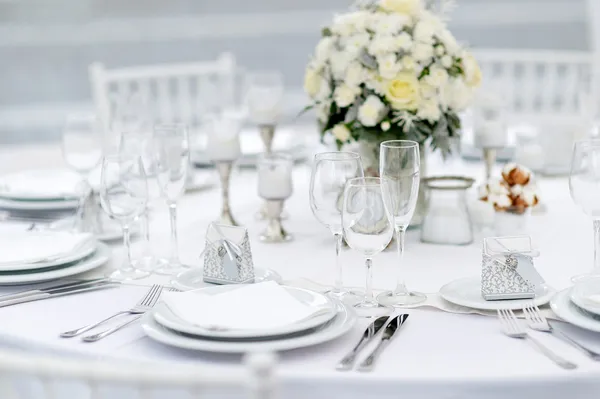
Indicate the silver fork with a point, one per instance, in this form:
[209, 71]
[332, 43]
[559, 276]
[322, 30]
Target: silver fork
[538, 322]
[513, 328]
[142, 306]
[105, 333]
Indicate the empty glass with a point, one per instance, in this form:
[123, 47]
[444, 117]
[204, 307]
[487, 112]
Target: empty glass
[367, 229]
[399, 167]
[584, 185]
[330, 172]
[172, 162]
[123, 195]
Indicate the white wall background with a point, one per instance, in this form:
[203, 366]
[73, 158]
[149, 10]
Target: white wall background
[46, 45]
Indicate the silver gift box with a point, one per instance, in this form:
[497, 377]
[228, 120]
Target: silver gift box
[227, 255]
[507, 269]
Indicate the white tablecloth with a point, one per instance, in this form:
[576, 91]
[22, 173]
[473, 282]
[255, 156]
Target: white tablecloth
[437, 355]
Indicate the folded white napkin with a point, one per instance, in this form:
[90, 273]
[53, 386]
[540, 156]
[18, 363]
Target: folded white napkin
[258, 306]
[53, 183]
[32, 246]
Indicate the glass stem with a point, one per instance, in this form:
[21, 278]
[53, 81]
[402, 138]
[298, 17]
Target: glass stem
[146, 226]
[596, 246]
[369, 292]
[174, 246]
[400, 286]
[127, 244]
[337, 288]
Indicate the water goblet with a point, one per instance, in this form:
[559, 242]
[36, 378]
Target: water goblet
[368, 229]
[275, 186]
[123, 195]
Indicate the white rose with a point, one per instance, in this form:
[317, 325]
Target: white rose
[410, 7]
[342, 25]
[404, 41]
[385, 126]
[341, 132]
[375, 83]
[439, 50]
[312, 82]
[388, 66]
[473, 75]
[437, 76]
[429, 109]
[422, 52]
[339, 62]
[382, 45]
[408, 63]
[449, 41]
[355, 74]
[355, 43]
[391, 24]
[371, 111]
[427, 90]
[345, 95]
[446, 61]
[424, 31]
[324, 48]
[456, 95]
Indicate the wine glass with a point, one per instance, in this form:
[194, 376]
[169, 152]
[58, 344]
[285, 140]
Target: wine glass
[368, 229]
[172, 160]
[584, 185]
[330, 171]
[399, 166]
[123, 195]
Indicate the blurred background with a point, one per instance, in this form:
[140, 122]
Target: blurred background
[46, 46]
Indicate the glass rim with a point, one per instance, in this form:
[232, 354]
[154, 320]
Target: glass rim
[335, 155]
[399, 144]
[367, 181]
[461, 182]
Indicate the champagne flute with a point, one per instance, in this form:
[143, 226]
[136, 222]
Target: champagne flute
[399, 166]
[172, 160]
[584, 186]
[330, 171]
[368, 229]
[123, 195]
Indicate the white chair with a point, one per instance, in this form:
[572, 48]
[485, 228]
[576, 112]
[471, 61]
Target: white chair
[24, 375]
[536, 83]
[174, 92]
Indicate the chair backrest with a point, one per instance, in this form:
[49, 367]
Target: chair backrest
[54, 377]
[538, 82]
[172, 92]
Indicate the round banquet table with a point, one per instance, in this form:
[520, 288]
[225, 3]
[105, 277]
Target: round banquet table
[436, 355]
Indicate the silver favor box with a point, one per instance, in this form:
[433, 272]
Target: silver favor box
[227, 255]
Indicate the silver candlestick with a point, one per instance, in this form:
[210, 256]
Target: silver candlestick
[267, 133]
[224, 168]
[274, 232]
[489, 157]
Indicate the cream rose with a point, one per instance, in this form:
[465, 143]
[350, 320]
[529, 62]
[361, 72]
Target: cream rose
[402, 92]
[472, 71]
[344, 95]
[312, 82]
[341, 132]
[410, 7]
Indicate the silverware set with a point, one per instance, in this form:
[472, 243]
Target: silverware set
[389, 326]
[145, 304]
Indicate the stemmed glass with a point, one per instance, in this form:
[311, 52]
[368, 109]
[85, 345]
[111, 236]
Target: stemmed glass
[172, 156]
[399, 166]
[368, 229]
[584, 185]
[330, 171]
[81, 147]
[123, 195]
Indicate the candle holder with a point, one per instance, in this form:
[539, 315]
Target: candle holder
[275, 186]
[224, 168]
[489, 158]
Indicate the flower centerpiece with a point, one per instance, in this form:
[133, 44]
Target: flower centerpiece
[391, 69]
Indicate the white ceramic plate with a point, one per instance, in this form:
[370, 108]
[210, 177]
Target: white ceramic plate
[565, 309]
[57, 205]
[97, 259]
[340, 325]
[586, 295]
[18, 186]
[163, 315]
[193, 278]
[112, 230]
[67, 258]
[467, 292]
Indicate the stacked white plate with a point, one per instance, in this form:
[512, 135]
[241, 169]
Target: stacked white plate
[579, 305]
[31, 257]
[467, 292]
[242, 318]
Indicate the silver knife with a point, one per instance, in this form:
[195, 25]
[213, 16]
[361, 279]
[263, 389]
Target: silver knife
[59, 292]
[390, 330]
[51, 288]
[348, 361]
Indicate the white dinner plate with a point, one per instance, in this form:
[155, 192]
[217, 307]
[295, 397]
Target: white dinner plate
[40, 185]
[338, 326]
[565, 309]
[193, 279]
[112, 230]
[78, 254]
[586, 295]
[467, 292]
[163, 315]
[93, 261]
[57, 205]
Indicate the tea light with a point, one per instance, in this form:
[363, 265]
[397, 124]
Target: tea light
[223, 143]
[490, 134]
[275, 177]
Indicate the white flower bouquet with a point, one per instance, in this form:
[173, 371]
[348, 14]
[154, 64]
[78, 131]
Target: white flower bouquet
[391, 69]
